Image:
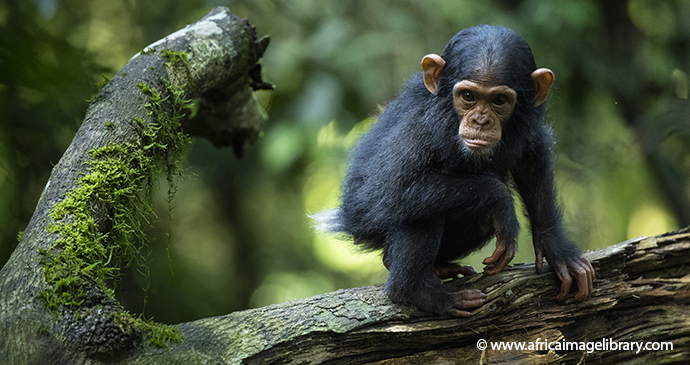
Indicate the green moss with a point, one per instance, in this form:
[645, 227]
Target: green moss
[117, 190]
[115, 184]
[149, 51]
[156, 333]
[176, 58]
[99, 86]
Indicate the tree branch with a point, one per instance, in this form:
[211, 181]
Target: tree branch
[66, 315]
[56, 301]
[641, 294]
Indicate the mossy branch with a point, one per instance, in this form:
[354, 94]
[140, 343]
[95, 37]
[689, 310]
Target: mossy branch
[57, 290]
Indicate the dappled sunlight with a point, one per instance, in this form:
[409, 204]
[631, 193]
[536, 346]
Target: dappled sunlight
[111, 33]
[280, 287]
[200, 241]
[650, 220]
[344, 256]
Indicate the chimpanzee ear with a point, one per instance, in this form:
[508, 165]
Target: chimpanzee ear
[432, 64]
[542, 78]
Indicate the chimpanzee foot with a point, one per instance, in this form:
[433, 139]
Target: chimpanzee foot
[464, 300]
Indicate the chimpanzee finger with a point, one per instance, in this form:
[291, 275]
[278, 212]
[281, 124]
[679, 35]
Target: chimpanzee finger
[501, 264]
[498, 252]
[590, 276]
[444, 273]
[583, 282]
[538, 260]
[496, 265]
[464, 270]
[584, 273]
[587, 266]
[591, 270]
[468, 299]
[566, 281]
[507, 258]
[493, 261]
[452, 270]
[459, 313]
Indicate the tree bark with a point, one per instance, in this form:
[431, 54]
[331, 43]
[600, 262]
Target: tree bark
[641, 292]
[641, 295]
[213, 64]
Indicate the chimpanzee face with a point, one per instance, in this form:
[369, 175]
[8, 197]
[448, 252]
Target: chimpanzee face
[483, 107]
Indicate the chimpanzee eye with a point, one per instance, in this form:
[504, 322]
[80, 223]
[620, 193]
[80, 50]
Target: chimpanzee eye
[467, 95]
[500, 100]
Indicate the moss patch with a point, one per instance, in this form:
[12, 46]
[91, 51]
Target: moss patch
[102, 221]
[99, 86]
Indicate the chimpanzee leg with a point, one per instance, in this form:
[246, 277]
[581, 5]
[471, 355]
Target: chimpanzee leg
[469, 228]
[411, 251]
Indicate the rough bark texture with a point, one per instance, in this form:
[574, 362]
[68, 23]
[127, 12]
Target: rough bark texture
[642, 294]
[642, 288]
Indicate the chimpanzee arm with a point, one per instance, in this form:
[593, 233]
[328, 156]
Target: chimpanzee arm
[533, 177]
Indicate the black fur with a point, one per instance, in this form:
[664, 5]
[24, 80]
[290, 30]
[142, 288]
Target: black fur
[414, 191]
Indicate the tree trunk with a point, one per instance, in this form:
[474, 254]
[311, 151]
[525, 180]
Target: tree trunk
[55, 304]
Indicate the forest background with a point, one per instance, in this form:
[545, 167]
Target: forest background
[238, 235]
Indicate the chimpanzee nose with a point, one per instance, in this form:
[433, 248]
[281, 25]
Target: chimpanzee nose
[480, 117]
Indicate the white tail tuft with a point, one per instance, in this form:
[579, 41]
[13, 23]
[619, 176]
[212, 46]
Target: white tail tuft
[327, 221]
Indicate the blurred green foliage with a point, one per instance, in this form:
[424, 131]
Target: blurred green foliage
[240, 232]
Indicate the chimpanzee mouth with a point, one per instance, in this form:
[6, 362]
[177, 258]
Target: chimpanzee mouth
[478, 147]
[476, 144]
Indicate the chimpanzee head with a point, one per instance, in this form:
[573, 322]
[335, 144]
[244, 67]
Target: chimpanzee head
[490, 74]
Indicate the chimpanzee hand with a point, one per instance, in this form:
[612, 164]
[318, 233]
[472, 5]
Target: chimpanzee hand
[579, 267]
[499, 259]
